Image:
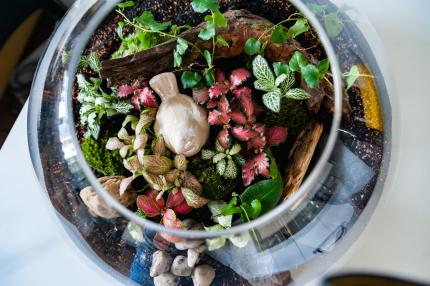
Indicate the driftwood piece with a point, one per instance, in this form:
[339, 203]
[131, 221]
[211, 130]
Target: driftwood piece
[300, 156]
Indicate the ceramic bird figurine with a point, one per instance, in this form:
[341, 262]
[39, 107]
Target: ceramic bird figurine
[182, 123]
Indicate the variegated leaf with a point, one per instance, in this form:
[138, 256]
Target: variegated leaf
[272, 100]
[288, 82]
[230, 170]
[262, 70]
[220, 167]
[297, 94]
[194, 200]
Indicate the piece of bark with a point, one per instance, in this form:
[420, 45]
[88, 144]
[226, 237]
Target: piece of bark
[242, 25]
[300, 156]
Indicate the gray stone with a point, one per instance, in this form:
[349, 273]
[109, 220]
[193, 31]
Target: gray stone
[203, 275]
[161, 262]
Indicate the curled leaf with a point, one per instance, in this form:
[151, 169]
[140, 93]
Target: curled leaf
[157, 165]
[193, 200]
[114, 144]
[239, 76]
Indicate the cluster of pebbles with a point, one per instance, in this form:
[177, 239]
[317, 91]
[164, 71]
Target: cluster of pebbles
[167, 271]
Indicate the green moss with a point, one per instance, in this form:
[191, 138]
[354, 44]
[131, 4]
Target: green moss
[214, 186]
[109, 163]
[293, 115]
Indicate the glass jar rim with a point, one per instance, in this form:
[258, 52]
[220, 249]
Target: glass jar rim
[307, 185]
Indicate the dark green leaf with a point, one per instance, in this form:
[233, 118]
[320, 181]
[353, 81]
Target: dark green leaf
[208, 57]
[208, 32]
[252, 46]
[333, 24]
[279, 35]
[297, 61]
[323, 67]
[219, 20]
[190, 79]
[201, 6]
[125, 4]
[301, 26]
[210, 76]
[221, 41]
[148, 19]
[254, 209]
[281, 68]
[311, 75]
[268, 192]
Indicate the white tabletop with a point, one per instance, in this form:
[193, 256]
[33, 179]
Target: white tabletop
[34, 250]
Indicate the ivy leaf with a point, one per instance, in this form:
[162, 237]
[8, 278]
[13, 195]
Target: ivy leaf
[297, 94]
[208, 57]
[279, 35]
[252, 46]
[311, 75]
[181, 48]
[323, 67]
[297, 61]
[219, 20]
[125, 4]
[272, 100]
[190, 79]
[301, 26]
[201, 6]
[333, 24]
[221, 41]
[262, 71]
[208, 32]
[148, 19]
[121, 25]
[209, 76]
[280, 68]
[352, 76]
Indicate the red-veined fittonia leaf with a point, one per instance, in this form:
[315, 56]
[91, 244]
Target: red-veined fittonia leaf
[239, 76]
[276, 136]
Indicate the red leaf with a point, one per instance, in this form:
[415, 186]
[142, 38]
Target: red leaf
[183, 208]
[152, 193]
[262, 164]
[148, 205]
[219, 75]
[214, 118]
[224, 138]
[247, 104]
[218, 89]
[239, 76]
[224, 109]
[136, 85]
[243, 134]
[147, 97]
[238, 117]
[124, 91]
[257, 143]
[170, 220]
[175, 198]
[212, 104]
[144, 83]
[243, 91]
[248, 172]
[276, 135]
[201, 95]
[135, 101]
[259, 128]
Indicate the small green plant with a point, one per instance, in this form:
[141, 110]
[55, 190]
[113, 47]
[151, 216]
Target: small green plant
[91, 61]
[107, 162]
[226, 160]
[279, 34]
[95, 104]
[278, 87]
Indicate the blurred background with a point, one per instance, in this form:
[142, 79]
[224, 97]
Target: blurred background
[26, 26]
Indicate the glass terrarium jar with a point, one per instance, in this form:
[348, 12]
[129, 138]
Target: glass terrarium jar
[297, 240]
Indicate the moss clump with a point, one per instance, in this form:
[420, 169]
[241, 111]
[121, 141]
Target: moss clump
[293, 114]
[214, 186]
[107, 162]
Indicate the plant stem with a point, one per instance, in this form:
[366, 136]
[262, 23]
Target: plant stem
[127, 20]
[280, 23]
[253, 233]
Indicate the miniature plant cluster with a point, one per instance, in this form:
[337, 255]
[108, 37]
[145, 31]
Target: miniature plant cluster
[210, 147]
